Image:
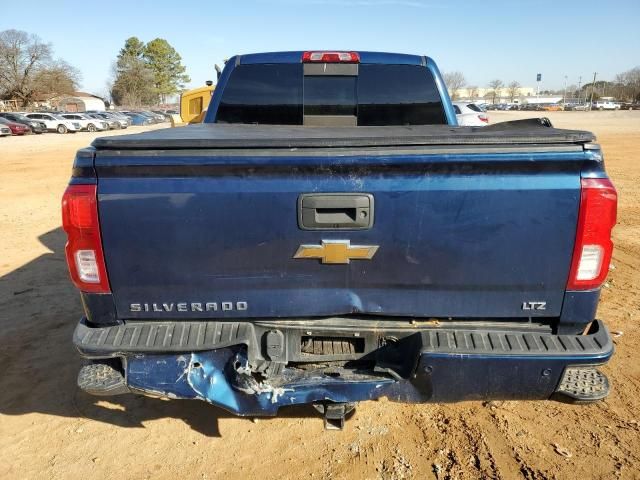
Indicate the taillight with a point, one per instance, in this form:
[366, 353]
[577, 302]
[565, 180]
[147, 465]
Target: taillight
[331, 57]
[483, 118]
[593, 247]
[85, 257]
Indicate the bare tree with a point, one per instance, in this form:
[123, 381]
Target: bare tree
[473, 92]
[22, 55]
[629, 84]
[495, 86]
[454, 82]
[514, 90]
[58, 78]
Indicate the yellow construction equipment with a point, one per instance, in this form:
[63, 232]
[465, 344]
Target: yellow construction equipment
[194, 103]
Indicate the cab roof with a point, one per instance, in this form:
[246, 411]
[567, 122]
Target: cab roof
[296, 57]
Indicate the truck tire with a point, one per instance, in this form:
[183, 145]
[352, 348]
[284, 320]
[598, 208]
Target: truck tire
[61, 129]
[91, 127]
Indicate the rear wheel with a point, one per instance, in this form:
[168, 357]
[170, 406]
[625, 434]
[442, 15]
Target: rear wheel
[61, 129]
[91, 127]
[118, 126]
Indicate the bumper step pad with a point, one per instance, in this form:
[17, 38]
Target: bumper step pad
[582, 385]
[102, 379]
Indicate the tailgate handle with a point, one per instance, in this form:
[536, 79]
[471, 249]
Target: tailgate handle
[335, 211]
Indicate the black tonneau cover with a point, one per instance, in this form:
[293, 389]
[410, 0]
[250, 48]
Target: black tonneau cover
[216, 135]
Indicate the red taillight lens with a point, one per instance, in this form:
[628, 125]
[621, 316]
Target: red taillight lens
[483, 118]
[85, 257]
[331, 57]
[593, 247]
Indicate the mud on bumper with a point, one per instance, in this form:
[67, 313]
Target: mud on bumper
[254, 368]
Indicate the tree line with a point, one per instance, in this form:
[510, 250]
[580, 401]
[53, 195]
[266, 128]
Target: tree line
[456, 81]
[146, 74]
[28, 69]
[625, 87]
[143, 74]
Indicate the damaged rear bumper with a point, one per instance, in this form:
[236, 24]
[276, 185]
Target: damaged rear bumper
[254, 369]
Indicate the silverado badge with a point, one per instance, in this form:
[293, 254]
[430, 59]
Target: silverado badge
[337, 251]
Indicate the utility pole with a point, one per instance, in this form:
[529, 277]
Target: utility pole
[579, 83]
[564, 97]
[593, 85]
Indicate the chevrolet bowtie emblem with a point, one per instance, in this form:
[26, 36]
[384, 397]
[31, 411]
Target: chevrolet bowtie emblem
[337, 251]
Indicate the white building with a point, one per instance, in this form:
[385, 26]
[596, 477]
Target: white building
[81, 102]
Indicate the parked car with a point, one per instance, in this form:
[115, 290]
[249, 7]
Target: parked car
[629, 106]
[470, 115]
[4, 130]
[87, 123]
[138, 119]
[121, 117]
[553, 107]
[113, 122]
[267, 276]
[576, 106]
[605, 105]
[115, 119]
[158, 117]
[55, 123]
[151, 118]
[165, 115]
[15, 127]
[35, 125]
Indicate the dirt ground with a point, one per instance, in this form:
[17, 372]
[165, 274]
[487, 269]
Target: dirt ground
[48, 429]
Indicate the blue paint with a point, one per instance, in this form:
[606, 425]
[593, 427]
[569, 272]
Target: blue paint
[459, 235]
[444, 93]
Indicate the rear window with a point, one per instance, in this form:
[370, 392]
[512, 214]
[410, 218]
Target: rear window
[281, 94]
[264, 94]
[474, 107]
[398, 95]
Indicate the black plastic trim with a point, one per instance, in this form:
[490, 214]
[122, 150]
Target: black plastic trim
[190, 336]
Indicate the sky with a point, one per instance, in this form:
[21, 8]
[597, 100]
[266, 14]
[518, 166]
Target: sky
[508, 40]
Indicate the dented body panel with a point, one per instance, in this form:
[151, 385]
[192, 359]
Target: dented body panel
[223, 377]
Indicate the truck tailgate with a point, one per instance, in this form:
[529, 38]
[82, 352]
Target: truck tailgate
[194, 227]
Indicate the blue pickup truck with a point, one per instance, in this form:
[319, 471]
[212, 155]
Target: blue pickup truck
[329, 235]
